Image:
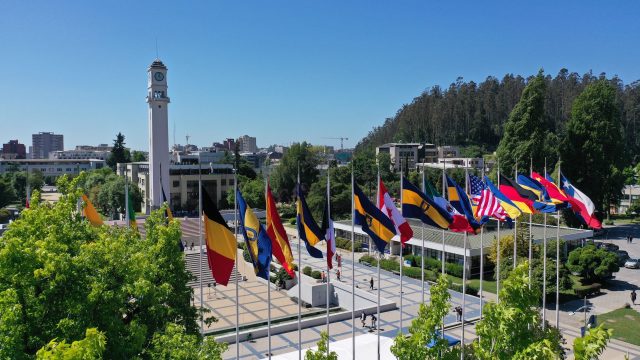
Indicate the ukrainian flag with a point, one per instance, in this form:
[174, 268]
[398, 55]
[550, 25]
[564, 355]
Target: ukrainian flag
[308, 229]
[509, 207]
[373, 221]
[417, 205]
[255, 238]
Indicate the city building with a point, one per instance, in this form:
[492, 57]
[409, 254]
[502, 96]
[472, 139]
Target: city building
[247, 144]
[51, 167]
[44, 143]
[14, 150]
[428, 153]
[401, 154]
[101, 151]
[448, 151]
[158, 165]
[454, 163]
[182, 193]
[630, 195]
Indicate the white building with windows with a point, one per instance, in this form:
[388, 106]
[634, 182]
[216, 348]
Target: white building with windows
[52, 167]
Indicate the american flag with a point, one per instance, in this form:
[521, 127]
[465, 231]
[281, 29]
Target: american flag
[487, 204]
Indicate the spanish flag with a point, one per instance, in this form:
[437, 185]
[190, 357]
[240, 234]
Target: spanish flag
[221, 242]
[90, 212]
[509, 207]
[373, 221]
[279, 239]
[417, 205]
[255, 237]
[519, 196]
[308, 229]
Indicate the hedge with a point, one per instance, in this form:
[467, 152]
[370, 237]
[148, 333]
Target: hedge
[306, 270]
[345, 244]
[435, 265]
[316, 274]
[586, 290]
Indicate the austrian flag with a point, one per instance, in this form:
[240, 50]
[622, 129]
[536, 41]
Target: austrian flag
[386, 205]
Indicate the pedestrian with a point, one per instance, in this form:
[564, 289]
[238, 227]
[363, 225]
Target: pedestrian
[338, 274]
[458, 310]
[373, 322]
[371, 283]
[324, 277]
[363, 319]
[633, 296]
[191, 246]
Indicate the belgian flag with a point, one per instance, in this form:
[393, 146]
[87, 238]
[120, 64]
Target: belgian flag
[221, 242]
[372, 220]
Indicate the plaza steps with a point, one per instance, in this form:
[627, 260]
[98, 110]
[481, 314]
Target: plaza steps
[192, 264]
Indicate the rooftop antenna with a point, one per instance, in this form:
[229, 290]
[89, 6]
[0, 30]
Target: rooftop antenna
[157, 57]
[174, 133]
[187, 139]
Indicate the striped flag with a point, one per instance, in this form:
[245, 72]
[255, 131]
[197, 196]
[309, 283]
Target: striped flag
[488, 205]
[388, 207]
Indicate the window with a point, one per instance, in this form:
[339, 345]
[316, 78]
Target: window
[223, 182]
[176, 183]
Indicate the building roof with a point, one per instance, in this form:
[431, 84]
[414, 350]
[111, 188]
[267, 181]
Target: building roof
[157, 64]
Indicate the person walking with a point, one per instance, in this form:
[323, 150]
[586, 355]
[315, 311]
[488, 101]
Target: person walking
[338, 274]
[371, 284]
[324, 277]
[633, 296]
[363, 319]
[458, 310]
[374, 319]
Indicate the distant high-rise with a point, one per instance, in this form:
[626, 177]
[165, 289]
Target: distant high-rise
[14, 150]
[247, 144]
[45, 142]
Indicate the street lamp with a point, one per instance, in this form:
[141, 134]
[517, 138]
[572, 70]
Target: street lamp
[586, 309]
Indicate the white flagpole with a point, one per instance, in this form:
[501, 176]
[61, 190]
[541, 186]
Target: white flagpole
[422, 236]
[377, 322]
[515, 226]
[353, 269]
[530, 233]
[328, 247]
[401, 266]
[200, 236]
[444, 181]
[266, 183]
[299, 284]
[235, 234]
[126, 201]
[558, 259]
[481, 256]
[498, 248]
[464, 274]
[544, 266]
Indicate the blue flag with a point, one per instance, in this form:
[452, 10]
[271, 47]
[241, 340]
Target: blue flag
[256, 238]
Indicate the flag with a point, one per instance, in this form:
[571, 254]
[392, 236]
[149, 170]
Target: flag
[459, 223]
[255, 237]
[308, 229]
[580, 204]
[279, 239]
[556, 195]
[487, 203]
[545, 204]
[389, 208]
[520, 197]
[373, 222]
[418, 205]
[131, 212]
[90, 212]
[509, 207]
[459, 200]
[221, 243]
[329, 232]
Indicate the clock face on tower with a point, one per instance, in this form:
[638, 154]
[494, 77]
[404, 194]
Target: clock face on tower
[158, 76]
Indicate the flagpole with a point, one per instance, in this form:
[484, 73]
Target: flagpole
[464, 274]
[558, 259]
[444, 180]
[481, 258]
[266, 184]
[299, 284]
[544, 265]
[353, 268]
[530, 233]
[126, 201]
[200, 236]
[235, 234]
[401, 266]
[328, 246]
[377, 322]
[498, 248]
[422, 236]
[515, 227]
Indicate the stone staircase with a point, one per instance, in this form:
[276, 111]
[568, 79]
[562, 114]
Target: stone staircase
[192, 264]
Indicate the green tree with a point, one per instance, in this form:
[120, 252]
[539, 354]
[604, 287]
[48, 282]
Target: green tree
[53, 264]
[284, 178]
[423, 329]
[592, 263]
[7, 193]
[119, 154]
[138, 156]
[89, 348]
[252, 191]
[321, 353]
[174, 343]
[593, 155]
[526, 134]
[592, 344]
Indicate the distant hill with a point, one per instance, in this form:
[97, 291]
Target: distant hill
[468, 113]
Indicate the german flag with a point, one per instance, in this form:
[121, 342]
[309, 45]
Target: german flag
[509, 207]
[417, 205]
[308, 229]
[221, 243]
[522, 198]
[279, 240]
[90, 212]
[373, 221]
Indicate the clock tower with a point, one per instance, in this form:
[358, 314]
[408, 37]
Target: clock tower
[158, 101]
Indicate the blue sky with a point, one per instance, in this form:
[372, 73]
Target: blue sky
[282, 71]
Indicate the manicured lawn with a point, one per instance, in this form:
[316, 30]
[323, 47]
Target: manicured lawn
[624, 323]
[487, 285]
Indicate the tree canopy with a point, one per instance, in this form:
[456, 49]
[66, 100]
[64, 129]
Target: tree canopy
[592, 263]
[119, 153]
[284, 178]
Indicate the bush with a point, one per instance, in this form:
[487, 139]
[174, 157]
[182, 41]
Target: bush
[471, 290]
[306, 270]
[453, 269]
[369, 260]
[608, 222]
[316, 274]
[295, 267]
[345, 244]
[390, 264]
[4, 216]
[292, 221]
[587, 290]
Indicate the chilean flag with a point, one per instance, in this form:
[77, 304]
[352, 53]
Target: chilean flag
[388, 207]
[580, 204]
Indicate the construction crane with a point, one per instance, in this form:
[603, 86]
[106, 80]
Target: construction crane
[342, 139]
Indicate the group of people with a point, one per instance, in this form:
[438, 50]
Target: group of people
[374, 320]
[629, 239]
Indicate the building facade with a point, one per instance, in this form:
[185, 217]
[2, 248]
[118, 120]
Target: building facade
[101, 152]
[247, 144]
[46, 142]
[401, 154]
[158, 103]
[14, 150]
[51, 167]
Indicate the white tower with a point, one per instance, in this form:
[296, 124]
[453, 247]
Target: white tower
[158, 101]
